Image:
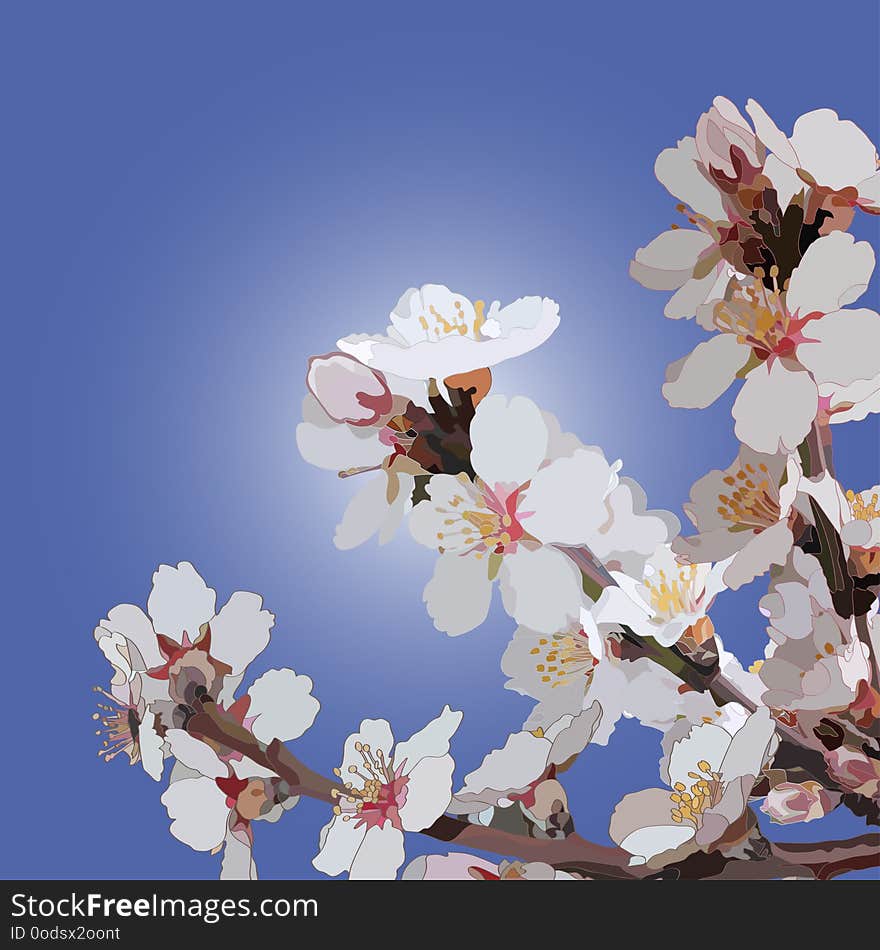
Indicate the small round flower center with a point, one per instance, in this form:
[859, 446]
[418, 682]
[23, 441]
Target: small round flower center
[380, 795]
[673, 596]
[439, 326]
[758, 317]
[754, 502]
[862, 509]
[481, 520]
[705, 792]
[119, 726]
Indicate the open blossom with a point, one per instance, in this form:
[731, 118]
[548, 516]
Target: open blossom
[669, 599]
[179, 649]
[386, 790]
[742, 511]
[436, 333]
[814, 660]
[504, 523]
[825, 152]
[862, 528]
[355, 423]
[212, 801]
[523, 770]
[458, 866]
[711, 775]
[790, 802]
[793, 345]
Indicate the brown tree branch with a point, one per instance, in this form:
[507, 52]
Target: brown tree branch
[821, 860]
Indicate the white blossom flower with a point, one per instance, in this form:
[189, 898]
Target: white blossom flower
[862, 527]
[182, 645]
[504, 524]
[388, 790]
[743, 511]
[669, 598]
[435, 333]
[214, 797]
[458, 866]
[814, 660]
[515, 772]
[711, 775]
[791, 345]
[825, 152]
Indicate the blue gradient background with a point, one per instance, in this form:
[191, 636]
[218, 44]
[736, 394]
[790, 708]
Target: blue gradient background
[199, 196]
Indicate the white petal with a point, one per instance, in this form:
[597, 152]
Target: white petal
[427, 520]
[786, 182]
[283, 705]
[367, 513]
[771, 546]
[750, 747]
[642, 825]
[574, 735]
[180, 601]
[198, 811]
[135, 626]
[509, 440]
[834, 272]
[375, 733]
[698, 379]
[379, 856]
[836, 153]
[151, 744]
[618, 607]
[521, 760]
[669, 260]
[428, 792]
[339, 844]
[333, 445]
[768, 132]
[238, 862]
[647, 843]
[775, 408]
[706, 742]
[846, 348]
[869, 191]
[195, 754]
[241, 630]
[695, 293]
[459, 593]
[678, 171]
[585, 476]
[432, 741]
[541, 589]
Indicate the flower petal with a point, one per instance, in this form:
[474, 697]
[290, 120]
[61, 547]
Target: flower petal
[669, 260]
[379, 856]
[428, 793]
[509, 440]
[769, 133]
[845, 349]
[541, 589]
[241, 630]
[677, 169]
[238, 861]
[459, 593]
[151, 745]
[706, 742]
[834, 271]
[333, 445]
[836, 152]
[195, 754]
[198, 811]
[136, 627]
[339, 843]
[369, 513]
[431, 741]
[698, 379]
[283, 705]
[775, 408]
[180, 601]
[642, 825]
[771, 546]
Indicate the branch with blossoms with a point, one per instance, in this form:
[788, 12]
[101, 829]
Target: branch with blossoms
[611, 602]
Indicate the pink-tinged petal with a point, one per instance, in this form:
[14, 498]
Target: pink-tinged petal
[669, 260]
[775, 408]
[347, 390]
[332, 445]
[428, 793]
[241, 630]
[458, 595]
[844, 347]
[195, 754]
[698, 379]
[455, 866]
[833, 272]
[379, 855]
[282, 705]
[180, 601]
[198, 811]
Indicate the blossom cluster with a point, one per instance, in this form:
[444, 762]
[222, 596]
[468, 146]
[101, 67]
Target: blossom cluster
[610, 604]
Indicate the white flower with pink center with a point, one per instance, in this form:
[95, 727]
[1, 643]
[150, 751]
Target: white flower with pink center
[502, 524]
[384, 791]
[797, 347]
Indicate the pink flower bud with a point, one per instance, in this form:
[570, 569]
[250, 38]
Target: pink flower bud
[722, 134]
[347, 390]
[854, 770]
[790, 802]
